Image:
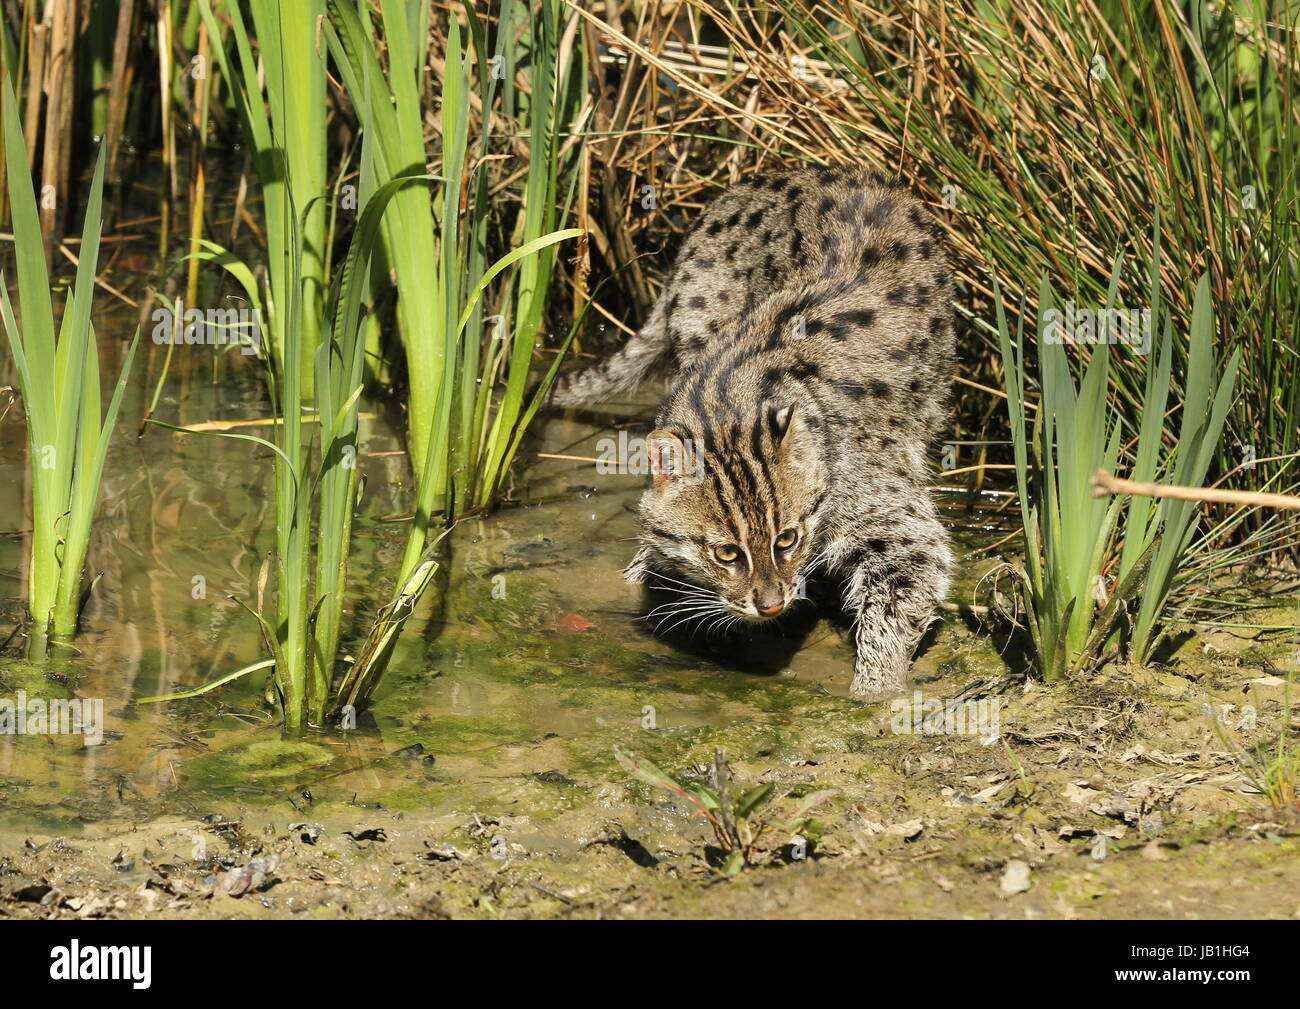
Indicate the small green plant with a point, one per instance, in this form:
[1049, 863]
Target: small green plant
[1088, 562]
[59, 379]
[738, 820]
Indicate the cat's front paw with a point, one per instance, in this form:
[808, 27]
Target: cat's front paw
[873, 680]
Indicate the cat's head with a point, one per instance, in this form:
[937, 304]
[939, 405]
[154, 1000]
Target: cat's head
[730, 521]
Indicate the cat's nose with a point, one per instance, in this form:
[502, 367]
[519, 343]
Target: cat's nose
[769, 607]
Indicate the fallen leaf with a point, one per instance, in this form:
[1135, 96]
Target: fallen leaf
[1079, 796]
[572, 623]
[906, 830]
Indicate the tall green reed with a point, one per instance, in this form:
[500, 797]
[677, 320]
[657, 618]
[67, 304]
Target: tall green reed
[315, 458]
[59, 378]
[1094, 573]
[469, 401]
[283, 112]
[464, 428]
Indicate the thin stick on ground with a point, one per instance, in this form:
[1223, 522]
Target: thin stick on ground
[1103, 483]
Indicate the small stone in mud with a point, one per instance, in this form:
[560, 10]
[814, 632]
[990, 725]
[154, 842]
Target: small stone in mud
[441, 852]
[414, 753]
[571, 623]
[308, 833]
[256, 875]
[1015, 878]
[553, 778]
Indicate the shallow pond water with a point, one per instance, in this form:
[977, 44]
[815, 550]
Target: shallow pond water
[537, 637]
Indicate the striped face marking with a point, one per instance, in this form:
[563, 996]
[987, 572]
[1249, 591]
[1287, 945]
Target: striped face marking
[743, 529]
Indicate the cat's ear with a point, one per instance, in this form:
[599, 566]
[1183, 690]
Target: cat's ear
[780, 418]
[667, 458]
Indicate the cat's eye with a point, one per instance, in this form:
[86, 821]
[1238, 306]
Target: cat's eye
[787, 539]
[728, 553]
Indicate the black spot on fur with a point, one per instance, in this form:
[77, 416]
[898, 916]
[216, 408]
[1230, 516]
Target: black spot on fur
[880, 213]
[851, 389]
[900, 252]
[879, 389]
[753, 219]
[825, 205]
[870, 256]
[858, 317]
[695, 302]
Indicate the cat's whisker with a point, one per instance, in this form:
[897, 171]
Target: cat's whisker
[679, 605]
[678, 608]
[686, 619]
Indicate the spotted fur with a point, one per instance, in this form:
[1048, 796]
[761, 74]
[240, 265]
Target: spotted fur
[808, 324]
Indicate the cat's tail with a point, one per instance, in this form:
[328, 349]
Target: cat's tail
[637, 360]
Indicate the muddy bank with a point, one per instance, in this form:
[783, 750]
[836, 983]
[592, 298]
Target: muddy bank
[1115, 798]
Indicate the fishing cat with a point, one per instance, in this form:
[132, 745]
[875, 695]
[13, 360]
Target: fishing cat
[808, 321]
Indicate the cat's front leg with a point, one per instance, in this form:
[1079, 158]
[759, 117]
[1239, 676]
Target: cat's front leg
[894, 586]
